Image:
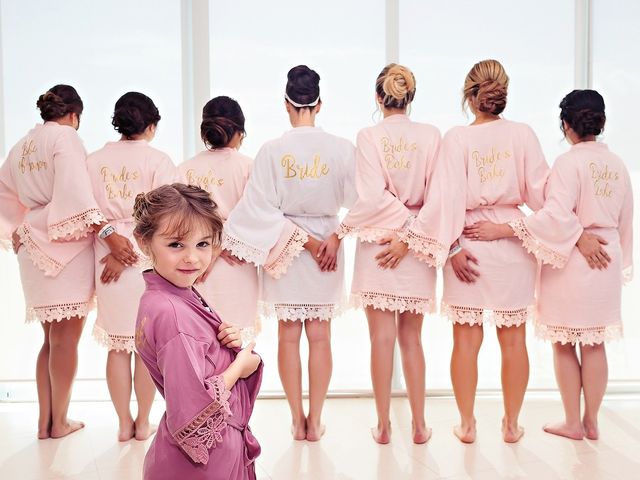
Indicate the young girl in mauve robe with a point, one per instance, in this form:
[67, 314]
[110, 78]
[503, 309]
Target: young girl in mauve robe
[232, 285]
[119, 171]
[48, 210]
[589, 210]
[208, 383]
[395, 162]
[493, 166]
[286, 221]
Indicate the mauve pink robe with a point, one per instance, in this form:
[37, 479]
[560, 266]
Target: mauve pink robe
[231, 289]
[118, 172]
[589, 189]
[204, 433]
[395, 160]
[46, 195]
[493, 168]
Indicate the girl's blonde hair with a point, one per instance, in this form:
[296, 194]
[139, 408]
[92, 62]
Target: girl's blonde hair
[485, 88]
[186, 206]
[396, 86]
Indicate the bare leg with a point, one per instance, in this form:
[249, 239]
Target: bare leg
[568, 376]
[413, 366]
[467, 340]
[290, 369]
[515, 377]
[63, 363]
[595, 375]
[145, 392]
[382, 333]
[43, 383]
[119, 383]
[320, 367]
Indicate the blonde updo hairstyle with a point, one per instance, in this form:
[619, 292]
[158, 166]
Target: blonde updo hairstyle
[485, 88]
[396, 86]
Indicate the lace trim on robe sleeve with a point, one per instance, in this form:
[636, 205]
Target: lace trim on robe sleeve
[44, 262]
[77, 226]
[243, 250]
[427, 249]
[365, 234]
[533, 246]
[204, 431]
[293, 248]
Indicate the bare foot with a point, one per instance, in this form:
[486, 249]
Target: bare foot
[144, 430]
[590, 430]
[563, 430]
[511, 433]
[67, 428]
[466, 433]
[44, 433]
[299, 432]
[315, 432]
[421, 435]
[381, 435]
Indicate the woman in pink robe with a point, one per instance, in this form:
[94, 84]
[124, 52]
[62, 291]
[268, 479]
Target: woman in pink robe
[492, 167]
[48, 210]
[208, 383]
[589, 210]
[232, 285]
[395, 162]
[119, 171]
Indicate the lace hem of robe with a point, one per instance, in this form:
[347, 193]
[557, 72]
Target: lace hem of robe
[293, 248]
[426, 249]
[126, 343]
[479, 316]
[578, 335]
[243, 250]
[365, 234]
[298, 312]
[204, 431]
[77, 226]
[533, 246]
[627, 274]
[392, 302]
[44, 262]
[58, 313]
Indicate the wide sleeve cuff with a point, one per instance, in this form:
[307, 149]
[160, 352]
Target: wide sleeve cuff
[284, 256]
[533, 246]
[75, 227]
[429, 250]
[243, 250]
[204, 431]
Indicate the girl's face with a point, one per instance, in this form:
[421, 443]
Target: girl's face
[180, 260]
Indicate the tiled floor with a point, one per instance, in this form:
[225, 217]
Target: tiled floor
[347, 451]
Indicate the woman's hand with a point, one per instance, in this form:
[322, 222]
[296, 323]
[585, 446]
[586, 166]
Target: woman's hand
[313, 246]
[16, 242]
[461, 263]
[229, 336]
[248, 361]
[121, 249]
[487, 231]
[391, 256]
[112, 269]
[590, 247]
[230, 258]
[328, 253]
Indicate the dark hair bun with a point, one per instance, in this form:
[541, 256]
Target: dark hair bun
[133, 113]
[491, 97]
[303, 85]
[222, 118]
[59, 101]
[583, 111]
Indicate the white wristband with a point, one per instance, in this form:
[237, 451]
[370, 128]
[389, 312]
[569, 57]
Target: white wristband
[106, 231]
[455, 250]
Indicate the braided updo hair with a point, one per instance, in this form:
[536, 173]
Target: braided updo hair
[58, 101]
[583, 111]
[396, 86]
[485, 88]
[222, 118]
[133, 113]
[185, 206]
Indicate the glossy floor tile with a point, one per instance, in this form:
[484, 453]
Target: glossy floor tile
[347, 450]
